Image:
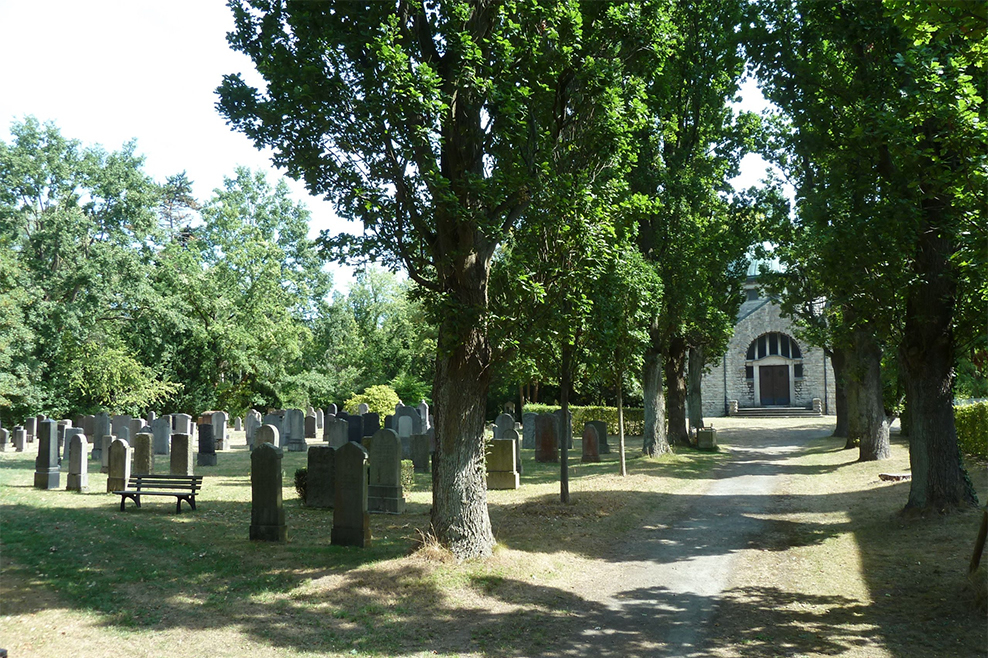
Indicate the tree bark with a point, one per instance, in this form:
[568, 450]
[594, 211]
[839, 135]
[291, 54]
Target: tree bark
[654, 441]
[867, 424]
[675, 372]
[938, 481]
[697, 359]
[838, 360]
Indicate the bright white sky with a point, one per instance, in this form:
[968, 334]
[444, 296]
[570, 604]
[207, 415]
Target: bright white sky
[108, 71]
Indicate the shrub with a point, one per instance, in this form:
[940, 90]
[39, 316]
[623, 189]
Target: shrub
[379, 399]
[634, 419]
[407, 475]
[301, 478]
[972, 429]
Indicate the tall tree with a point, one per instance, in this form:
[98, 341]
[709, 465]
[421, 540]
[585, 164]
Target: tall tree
[430, 123]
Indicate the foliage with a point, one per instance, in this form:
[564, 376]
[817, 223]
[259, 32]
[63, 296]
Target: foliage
[634, 419]
[380, 399]
[407, 475]
[301, 483]
[972, 429]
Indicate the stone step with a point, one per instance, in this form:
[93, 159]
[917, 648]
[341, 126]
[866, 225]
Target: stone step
[776, 412]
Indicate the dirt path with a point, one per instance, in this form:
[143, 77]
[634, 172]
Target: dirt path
[662, 591]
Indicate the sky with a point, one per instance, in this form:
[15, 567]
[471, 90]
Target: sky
[109, 71]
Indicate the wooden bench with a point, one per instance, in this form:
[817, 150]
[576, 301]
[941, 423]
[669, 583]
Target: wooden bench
[183, 487]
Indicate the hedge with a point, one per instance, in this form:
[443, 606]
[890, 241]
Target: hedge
[972, 429]
[634, 419]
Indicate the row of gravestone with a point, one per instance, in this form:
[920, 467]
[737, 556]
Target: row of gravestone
[544, 434]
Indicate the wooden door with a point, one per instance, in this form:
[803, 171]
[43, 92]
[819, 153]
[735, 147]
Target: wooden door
[773, 384]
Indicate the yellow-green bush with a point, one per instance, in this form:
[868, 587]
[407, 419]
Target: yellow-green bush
[972, 429]
[634, 419]
[379, 399]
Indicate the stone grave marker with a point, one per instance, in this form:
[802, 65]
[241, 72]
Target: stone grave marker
[310, 427]
[120, 455]
[31, 427]
[335, 431]
[528, 430]
[512, 435]
[78, 479]
[276, 421]
[332, 410]
[63, 447]
[150, 418]
[591, 452]
[294, 436]
[221, 436]
[238, 424]
[117, 423]
[355, 429]
[423, 409]
[320, 419]
[351, 521]
[20, 439]
[181, 455]
[502, 423]
[143, 454]
[161, 433]
[370, 423]
[5, 440]
[46, 475]
[182, 424]
[101, 428]
[136, 427]
[267, 515]
[251, 422]
[89, 427]
[266, 434]
[602, 445]
[421, 454]
[362, 408]
[68, 433]
[207, 446]
[546, 443]
[320, 479]
[104, 464]
[384, 493]
[501, 458]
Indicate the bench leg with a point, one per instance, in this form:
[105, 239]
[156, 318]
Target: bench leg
[178, 504]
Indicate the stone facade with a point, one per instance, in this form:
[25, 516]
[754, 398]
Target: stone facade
[735, 377]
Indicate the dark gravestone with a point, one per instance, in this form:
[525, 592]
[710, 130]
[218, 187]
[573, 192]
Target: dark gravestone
[46, 475]
[546, 443]
[384, 492]
[310, 427]
[335, 431]
[355, 431]
[4, 440]
[320, 476]
[207, 446]
[389, 422]
[101, 428]
[371, 423]
[528, 431]
[421, 454]
[20, 439]
[591, 452]
[351, 521]
[332, 410]
[267, 516]
[602, 445]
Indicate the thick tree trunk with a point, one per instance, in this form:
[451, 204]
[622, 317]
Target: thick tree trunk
[654, 441]
[938, 481]
[838, 360]
[694, 376]
[867, 425]
[675, 372]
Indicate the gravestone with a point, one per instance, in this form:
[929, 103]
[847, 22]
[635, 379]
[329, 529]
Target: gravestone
[101, 428]
[355, 428]
[389, 422]
[31, 428]
[502, 423]
[320, 477]
[332, 410]
[124, 434]
[89, 427]
[161, 432]
[362, 408]
[182, 424]
[78, 479]
[220, 435]
[512, 435]
[46, 475]
[105, 453]
[384, 492]
[370, 423]
[181, 455]
[310, 427]
[20, 439]
[4, 440]
[276, 421]
[120, 455]
[546, 443]
[63, 447]
[251, 422]
[294, 437]
[320, 419]
[564, 430]
[602, 445]
[143, 454]
[528, 431]
[591, 453]
[335, 431]
[118, 423]
[267, 516]
[238, 424]
[412, 416]
[150, 418]
[69, 433]
[266, 434]
[351, 521]
[706, 438]
[501, 459]
[207, 446]
[136, 426]
[423, 409]
[421, 454]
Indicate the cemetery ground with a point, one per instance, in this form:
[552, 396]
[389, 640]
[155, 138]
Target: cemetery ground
[779, 544]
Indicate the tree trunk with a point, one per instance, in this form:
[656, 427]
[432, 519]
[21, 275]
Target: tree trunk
[654, 441]
[675, 372]
[838, 360]
[564, 381]
[867, 425]
[620, 407]
[697, 359]
[938, 481]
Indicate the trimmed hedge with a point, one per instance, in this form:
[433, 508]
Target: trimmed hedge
[634, 419]
[972, 429]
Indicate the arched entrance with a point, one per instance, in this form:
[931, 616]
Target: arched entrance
[773, 364]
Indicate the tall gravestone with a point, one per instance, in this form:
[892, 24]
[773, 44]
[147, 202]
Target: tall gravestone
[384, 493]
[602, 445]
[221, 436]
[118, 423]
[335, 431]
[276, 421]
[294, 437]
[150, 418]
[161, 433]
[421, 454]
[120, 456]
[355, 428]
[332, 410]
[503, 423]
[238, 424]
[46, 475]
[105, 442]
[320, 479]
[266, 434]
[143, 454]
[101, 428]
[528, 430]
[591, 452]
[351, 521]
[320, 419]
[310, 426]
[251, 422]
[4, 440]
[182, 424]
[362, 408]
[136, 427]
[31, 428]
[501, 471]
[423, 409]
[89, 427]
[207, 446]
[546, 443]
[370, 423]
[180, 462]
[78, 479]
[63, 447]
[20, 439]
[267, 516]
[512, 435]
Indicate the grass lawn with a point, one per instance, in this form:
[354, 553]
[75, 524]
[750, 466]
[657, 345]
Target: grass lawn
[80, 577]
